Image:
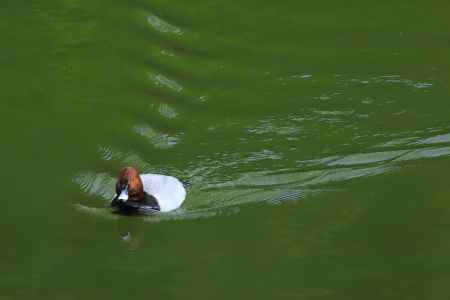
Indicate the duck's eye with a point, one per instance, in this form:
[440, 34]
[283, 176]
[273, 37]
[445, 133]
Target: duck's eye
[124, 187]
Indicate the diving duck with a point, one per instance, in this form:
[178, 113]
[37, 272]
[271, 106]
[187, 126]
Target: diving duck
[147, 193]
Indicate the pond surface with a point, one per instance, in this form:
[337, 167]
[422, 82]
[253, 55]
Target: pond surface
[315, 136]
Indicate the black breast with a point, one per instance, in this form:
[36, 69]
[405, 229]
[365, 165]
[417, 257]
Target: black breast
[148, 206]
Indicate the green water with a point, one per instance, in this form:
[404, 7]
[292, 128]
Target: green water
[316, 136]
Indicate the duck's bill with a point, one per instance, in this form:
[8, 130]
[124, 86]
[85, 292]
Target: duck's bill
[123, 195]
[120, 198]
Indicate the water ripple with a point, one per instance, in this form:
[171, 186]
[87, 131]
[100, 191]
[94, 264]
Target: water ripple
[162, 26]
[130, 158]
[207, 199]
[161, 80]
[366, 158]
[390, 80]
[167, 111]
[442, 138]
[157, 139]
[99, 184]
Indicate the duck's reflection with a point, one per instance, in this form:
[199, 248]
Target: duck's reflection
[130, 232]
[132, 240]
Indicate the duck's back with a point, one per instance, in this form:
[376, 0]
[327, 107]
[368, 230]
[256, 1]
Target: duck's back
[168, 190]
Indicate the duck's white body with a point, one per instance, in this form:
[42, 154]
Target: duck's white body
[168, 191]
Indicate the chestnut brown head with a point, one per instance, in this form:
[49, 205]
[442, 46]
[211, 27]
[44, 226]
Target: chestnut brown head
[129, 186]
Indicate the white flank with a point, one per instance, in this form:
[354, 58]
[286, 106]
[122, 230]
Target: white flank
[168, 191]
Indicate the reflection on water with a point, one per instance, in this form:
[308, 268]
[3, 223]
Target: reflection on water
[267, 109]
[157, 139]
[389, 80]
[326, 131]
[167, 111]
[162, 26]
[365, 158]
[100, 184]
[208, 197]
[161, 80]
[442, 138]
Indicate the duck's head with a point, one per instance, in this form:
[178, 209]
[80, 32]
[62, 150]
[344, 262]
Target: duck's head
[129, 187]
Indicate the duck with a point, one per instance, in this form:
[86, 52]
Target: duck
[147, 193]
